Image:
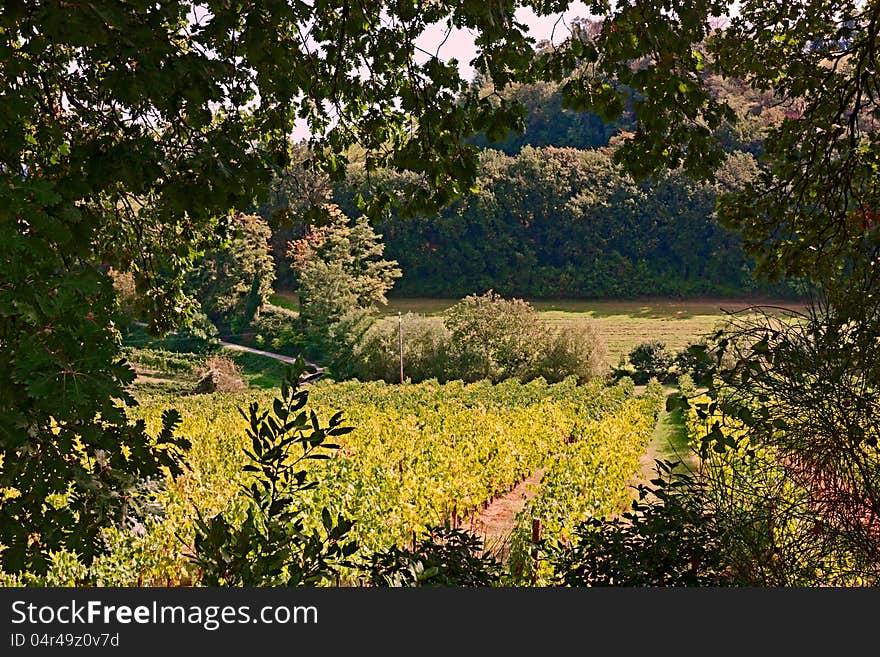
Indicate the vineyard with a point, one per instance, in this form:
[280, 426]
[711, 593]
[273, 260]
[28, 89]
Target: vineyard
[419, 455]
[586, 480]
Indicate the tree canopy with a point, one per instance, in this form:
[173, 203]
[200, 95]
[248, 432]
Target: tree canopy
[131, 131]
[233, 280]
[340, 268]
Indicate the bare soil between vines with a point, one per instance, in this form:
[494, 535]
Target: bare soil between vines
[496, 522]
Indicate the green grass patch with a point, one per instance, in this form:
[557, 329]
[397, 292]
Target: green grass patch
[670, 440]
[257, 371]
[287, 300]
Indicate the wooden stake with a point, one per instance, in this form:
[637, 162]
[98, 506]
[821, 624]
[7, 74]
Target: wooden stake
[536, 538]
[400, 342]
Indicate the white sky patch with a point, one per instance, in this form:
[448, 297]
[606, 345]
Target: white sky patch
[437, 40]
[458, 44]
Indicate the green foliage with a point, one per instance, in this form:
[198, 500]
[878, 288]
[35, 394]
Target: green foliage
[491, 337]
[786, 395]
[198, 335]
[340, 267]
[233, 281]
[482, 337]
[789, 424]
[163, 361]
[495, 338]
[70, 462]
[574, 350]
[444, 556]
[131, 132]
[556, 222]
[694, 360]
[676, 115]
[472, 442]
[665, 539]
[548, 123]
[271, 546]
[425, 351]
[650, 359]
[341, 277]
[278, 328]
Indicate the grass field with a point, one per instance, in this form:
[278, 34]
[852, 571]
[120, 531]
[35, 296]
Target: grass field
[622, 324]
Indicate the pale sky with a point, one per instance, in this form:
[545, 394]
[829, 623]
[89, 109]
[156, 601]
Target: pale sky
[460, 43]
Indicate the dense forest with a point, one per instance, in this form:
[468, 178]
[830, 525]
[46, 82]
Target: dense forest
[561, 222]
[551, 215]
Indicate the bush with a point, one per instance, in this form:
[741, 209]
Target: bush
[276, 329]
[666, 539]
[199, 337]
[445, 557]
[694, 360]
[340, 342]
[162, 360]
[483, 337]
[492, 338]
[650, 359]
[570, 350]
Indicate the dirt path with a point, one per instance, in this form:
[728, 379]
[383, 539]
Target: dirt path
[267, 354]
[496, 522]
[259, 352]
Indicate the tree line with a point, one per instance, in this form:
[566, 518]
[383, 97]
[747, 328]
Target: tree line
[552, 214]
[564, 222]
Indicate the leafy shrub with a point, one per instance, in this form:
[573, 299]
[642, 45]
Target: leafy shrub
[340, 342]
[483, 337]
[272, 547]
[666, 539]
[694, 360]
[276, 329]
[425, 351]
[200, 336]
[492, 338]
[570, 350]
[164, 361]
[650, 360]
[444, 557]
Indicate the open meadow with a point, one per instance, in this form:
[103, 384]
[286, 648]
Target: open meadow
[622, 324]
